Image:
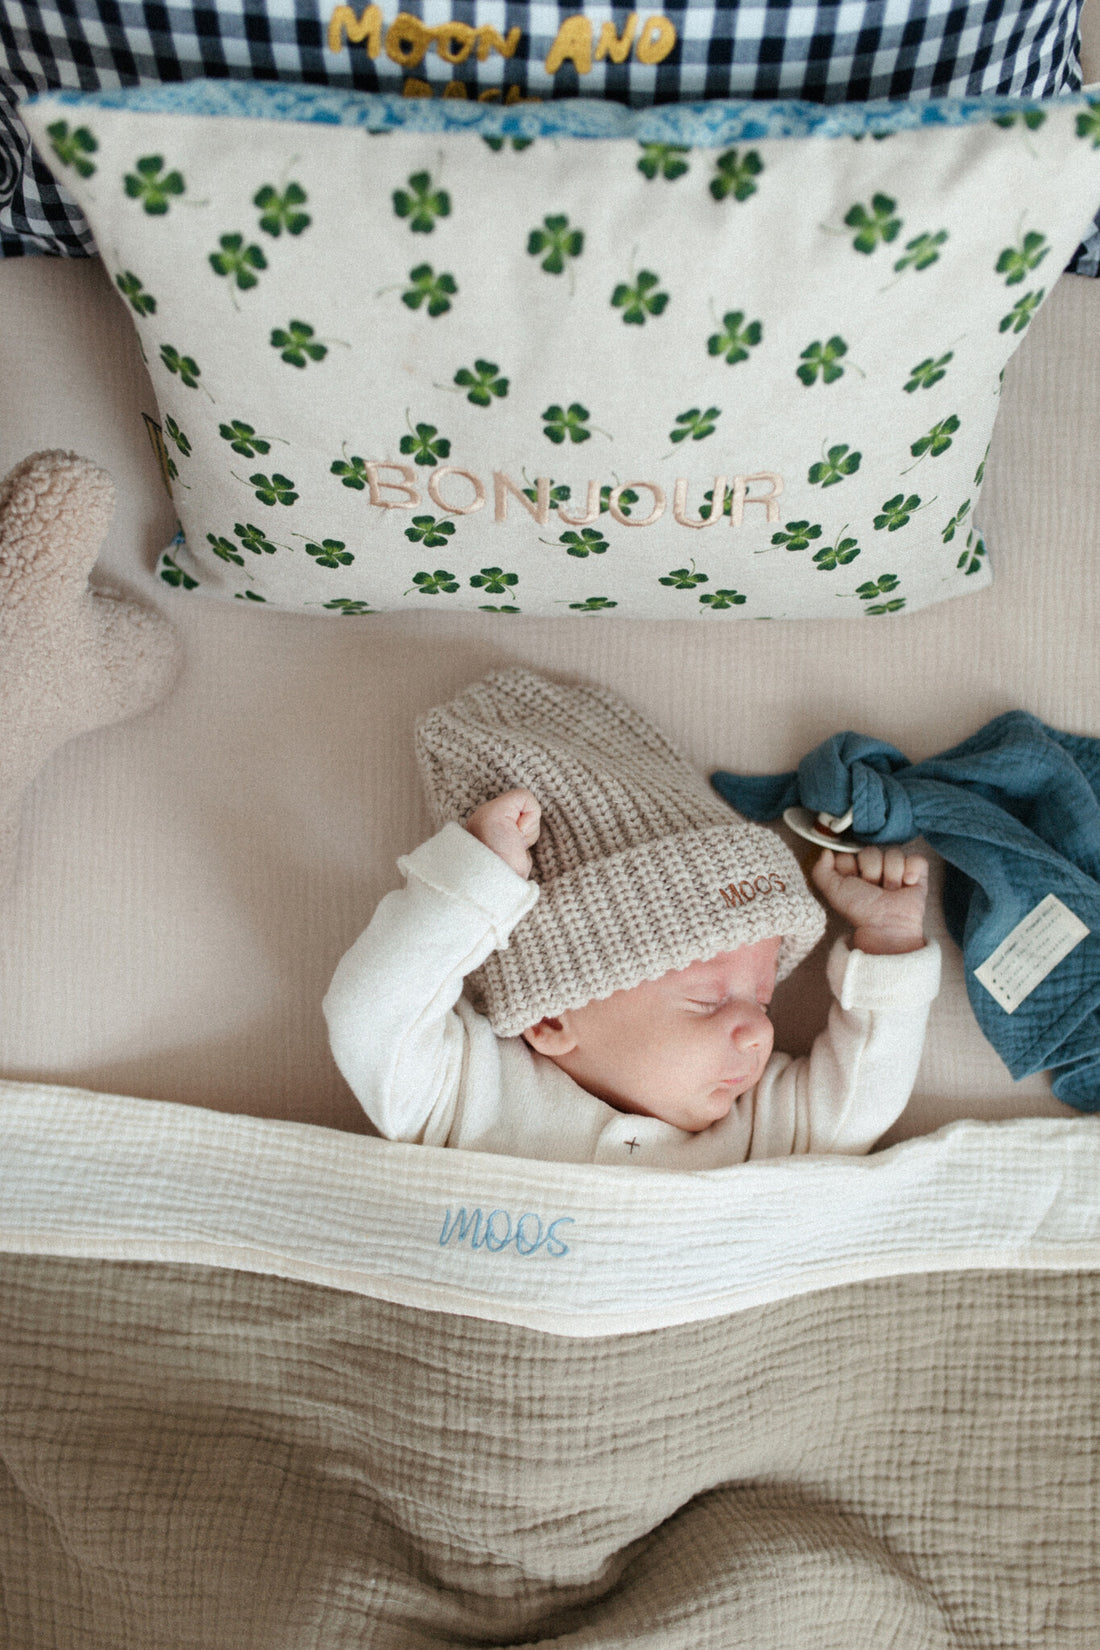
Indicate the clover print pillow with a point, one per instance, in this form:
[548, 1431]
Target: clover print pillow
[564, 359]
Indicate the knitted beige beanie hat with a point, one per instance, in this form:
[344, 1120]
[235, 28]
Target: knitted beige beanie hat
[641, 867]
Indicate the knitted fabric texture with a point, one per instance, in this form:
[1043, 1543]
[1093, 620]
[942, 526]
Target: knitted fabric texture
[641, 868]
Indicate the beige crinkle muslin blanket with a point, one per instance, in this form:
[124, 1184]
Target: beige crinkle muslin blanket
[199, 1456]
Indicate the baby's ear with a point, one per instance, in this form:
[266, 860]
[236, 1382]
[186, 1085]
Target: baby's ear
[553, 1036]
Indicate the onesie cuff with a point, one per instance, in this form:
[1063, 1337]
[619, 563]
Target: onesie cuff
[907, 980]
[456, 864]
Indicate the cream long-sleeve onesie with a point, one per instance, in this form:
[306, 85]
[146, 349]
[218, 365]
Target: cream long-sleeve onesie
[426, 1067]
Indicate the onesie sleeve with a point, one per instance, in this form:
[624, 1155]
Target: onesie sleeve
[390, 1008]
[860, 1072]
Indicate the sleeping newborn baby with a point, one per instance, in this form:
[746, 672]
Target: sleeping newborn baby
[580, 964]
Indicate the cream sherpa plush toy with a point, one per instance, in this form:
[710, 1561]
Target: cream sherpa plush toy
[71, 658]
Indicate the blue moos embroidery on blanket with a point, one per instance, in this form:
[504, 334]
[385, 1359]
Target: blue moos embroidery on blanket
[497, 1231]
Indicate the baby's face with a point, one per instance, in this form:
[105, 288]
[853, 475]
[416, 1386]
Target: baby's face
[681, 1048]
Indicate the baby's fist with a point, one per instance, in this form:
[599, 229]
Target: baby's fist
[882, 892]
[509, 825]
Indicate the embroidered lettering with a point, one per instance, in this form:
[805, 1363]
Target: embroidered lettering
[527, 1234]
[573, 44]
[745, 891]
[407, 41]
[488, 40]
[679, 504]
[742, 496]
[503, 485]
[455, 509]
[461, 1224]
[408, 476]
[617, 46]
[454, 41]
[390, 477]
[497, 1239]
[367, 26]
[591, 509]
[615, 505]
[657, 40]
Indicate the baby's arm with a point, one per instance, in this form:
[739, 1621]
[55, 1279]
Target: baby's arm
[882, 892]
[860, 1073]
[390, 1009]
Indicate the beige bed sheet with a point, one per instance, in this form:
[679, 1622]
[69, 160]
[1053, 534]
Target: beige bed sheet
[188, 881]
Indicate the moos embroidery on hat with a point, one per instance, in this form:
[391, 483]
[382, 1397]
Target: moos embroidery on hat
[641, 868]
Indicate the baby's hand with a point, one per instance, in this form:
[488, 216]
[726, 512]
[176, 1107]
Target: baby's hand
[882, 892]
[509, 825]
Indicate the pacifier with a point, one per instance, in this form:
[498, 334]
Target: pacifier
[826, 830]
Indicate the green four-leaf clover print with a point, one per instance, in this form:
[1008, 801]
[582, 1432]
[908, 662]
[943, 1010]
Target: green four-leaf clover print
[346, 605]
[973, 555]
[495, 582]
[641, 300]
[594, 604]
[1016, 262]
[922, 252]
[875, 226]
[422, 203]
[824, 359]
[836, 555]
[663, 160]
[587, 542]
[254, 538]
[431, 584]
[176, 435]
[838, 462]
[274, 489]
[798, 535]
[172, 573]
[937, 440]
[225, 549]
[352, 472]
[896, 512]
[436, 291]
[282, 210]
[695, 424]
[297, 344]
[718, 599]
[684, 578]
[738, 338]
[481, 383]
[142, 302]
[559, 422]
[736, 175]
[243, 439]
[881, 587]
[182, 366]
[425, 445]
[238, 260]
[330, 553]
[928, 372]
[150, 184]
[429, 531]
[558, 240]
[1088, 124]
[73, 148]
[1021, 313]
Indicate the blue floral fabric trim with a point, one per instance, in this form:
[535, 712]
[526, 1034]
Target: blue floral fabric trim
[700, 125]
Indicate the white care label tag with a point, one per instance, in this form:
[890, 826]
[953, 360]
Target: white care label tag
[1025, 957]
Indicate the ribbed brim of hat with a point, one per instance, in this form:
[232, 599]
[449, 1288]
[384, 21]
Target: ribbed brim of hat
[661, 905]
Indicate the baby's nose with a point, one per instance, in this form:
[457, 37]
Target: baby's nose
[750, 1026]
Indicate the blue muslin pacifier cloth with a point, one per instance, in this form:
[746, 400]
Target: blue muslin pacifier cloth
[1015, 812]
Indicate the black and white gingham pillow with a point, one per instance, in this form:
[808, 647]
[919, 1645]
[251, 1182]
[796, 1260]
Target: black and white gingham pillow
[827, 51]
